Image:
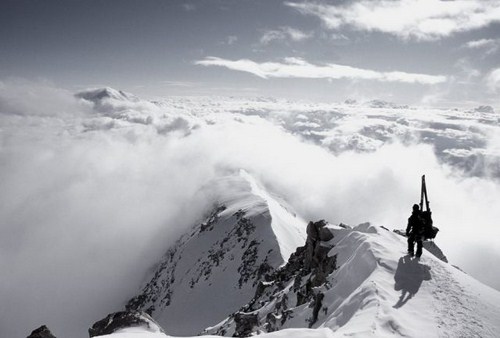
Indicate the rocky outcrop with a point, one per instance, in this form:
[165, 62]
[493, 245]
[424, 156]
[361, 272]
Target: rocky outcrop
[297, 287]
[245, 322]
[42, 332]
[124, 319]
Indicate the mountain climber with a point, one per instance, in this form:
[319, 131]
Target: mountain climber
[415, 231]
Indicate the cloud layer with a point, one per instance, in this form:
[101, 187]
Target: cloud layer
[299, 68]
[406, 19]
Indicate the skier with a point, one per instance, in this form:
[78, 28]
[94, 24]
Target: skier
[415, 231]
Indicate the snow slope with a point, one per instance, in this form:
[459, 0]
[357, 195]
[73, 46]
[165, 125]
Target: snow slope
[214, 269]
[379, 291]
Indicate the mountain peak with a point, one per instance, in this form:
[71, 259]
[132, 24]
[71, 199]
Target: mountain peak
[96, 95]
[215, 267]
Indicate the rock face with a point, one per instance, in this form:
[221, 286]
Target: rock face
[121, 320]
[42, 332]
[295, 290]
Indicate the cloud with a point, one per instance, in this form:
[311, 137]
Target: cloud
[493, 80]
[481, 43]
[179, 83]
[284, 33]
[189, 7]
[406, 19]
[81, 206]
[299, 68]
[22, 97]
[490, 45]
[231, 39]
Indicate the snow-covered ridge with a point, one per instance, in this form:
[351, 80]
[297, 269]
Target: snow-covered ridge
[379, 291]
[214, 269]
[376, 290]
[289, 228]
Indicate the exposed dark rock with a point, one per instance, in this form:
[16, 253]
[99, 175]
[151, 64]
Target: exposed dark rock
[318, 301]
[214, 217]
[120, 320]
[42, 332]
[485, 109]
[345, 226]
[300, 280]
[316, 233]
[245, 322]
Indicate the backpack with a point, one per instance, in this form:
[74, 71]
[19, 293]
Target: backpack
[430, 231]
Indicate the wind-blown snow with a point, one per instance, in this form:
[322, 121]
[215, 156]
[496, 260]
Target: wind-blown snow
[288, 228]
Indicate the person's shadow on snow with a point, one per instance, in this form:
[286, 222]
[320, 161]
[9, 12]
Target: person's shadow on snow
[409, 276]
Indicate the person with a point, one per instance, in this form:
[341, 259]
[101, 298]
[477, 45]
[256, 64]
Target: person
[415, 231]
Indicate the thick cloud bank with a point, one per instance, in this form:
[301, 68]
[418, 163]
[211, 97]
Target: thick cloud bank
[96, 186]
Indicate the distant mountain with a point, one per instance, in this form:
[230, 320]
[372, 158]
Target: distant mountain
[119, 106]
[385, 104]
[96, 95]
[484, 109]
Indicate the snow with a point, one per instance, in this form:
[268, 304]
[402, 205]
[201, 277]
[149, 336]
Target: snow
[379, 291]
[201, 280]
[288, 228]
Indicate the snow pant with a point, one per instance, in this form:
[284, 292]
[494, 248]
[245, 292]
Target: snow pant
[411, 243]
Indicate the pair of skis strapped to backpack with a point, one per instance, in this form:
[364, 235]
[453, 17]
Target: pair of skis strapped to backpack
[430, 231]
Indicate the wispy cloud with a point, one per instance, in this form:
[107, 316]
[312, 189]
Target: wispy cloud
[299, 68]
[188, 7]
[480, 43]
[488, 45]
[406, 19]
[231, 39]
[284, 33]
[493, 80]
[179, 83]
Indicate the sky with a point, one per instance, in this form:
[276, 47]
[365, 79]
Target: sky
[92, 191]
[431, 52]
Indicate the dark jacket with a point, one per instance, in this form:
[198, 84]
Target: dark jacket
[415, 225]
